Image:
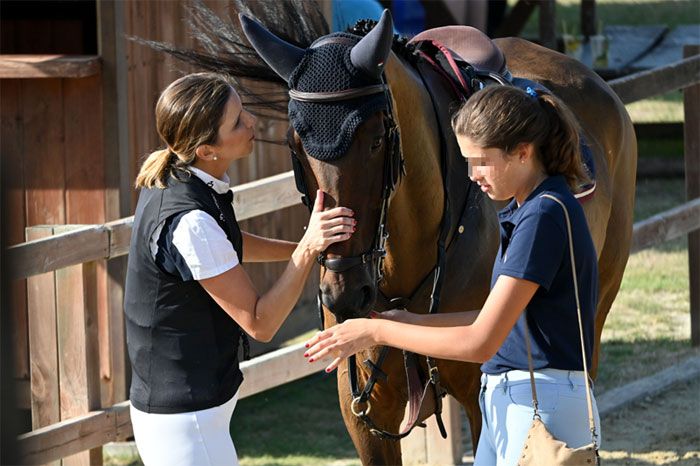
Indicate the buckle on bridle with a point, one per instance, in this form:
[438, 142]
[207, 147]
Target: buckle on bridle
[355, 402]
[434, 375]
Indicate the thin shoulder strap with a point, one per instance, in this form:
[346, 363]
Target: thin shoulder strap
[591, 421]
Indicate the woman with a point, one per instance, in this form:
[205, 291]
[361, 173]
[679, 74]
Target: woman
[520, 145]
[188, 302]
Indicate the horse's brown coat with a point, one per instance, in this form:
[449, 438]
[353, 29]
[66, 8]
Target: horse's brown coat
[416, 210]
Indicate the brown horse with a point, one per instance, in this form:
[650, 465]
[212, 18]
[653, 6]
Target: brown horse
[354, 175]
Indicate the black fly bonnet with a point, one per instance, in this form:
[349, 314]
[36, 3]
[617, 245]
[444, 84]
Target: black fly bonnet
[327, 128]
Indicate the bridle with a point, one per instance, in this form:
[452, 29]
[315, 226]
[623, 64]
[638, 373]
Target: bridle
[393, 170]
[418, 387]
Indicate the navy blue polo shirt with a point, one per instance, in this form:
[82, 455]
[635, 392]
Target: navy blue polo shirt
[535, 247]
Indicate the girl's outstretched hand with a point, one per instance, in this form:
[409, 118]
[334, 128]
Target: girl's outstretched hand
[341, 341]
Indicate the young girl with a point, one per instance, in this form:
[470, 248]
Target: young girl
[519, 145]
[187, 299]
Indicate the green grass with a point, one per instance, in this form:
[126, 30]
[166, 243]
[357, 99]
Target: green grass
[660, 109]
[648, 327]
[660, 148]
[295, 424]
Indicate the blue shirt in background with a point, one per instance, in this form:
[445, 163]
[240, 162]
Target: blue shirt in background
[347, 12]
[535, 247]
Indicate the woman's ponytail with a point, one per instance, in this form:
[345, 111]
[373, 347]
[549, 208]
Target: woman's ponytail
[155, 169]
[188, 114]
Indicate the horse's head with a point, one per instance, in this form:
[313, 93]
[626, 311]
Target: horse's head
[344, 141]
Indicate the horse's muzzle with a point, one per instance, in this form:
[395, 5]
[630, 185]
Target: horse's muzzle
[349, 294]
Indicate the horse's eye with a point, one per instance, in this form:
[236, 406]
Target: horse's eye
[377, 143]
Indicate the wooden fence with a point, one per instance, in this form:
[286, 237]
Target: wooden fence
[59, 265]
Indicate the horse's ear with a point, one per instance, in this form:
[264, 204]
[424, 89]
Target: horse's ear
[281, 56]
[372, 51]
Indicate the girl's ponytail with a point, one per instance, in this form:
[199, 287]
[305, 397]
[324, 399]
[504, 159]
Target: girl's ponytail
[560, 149]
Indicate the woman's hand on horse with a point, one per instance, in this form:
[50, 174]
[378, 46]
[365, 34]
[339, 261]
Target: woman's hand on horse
[341, 341]
[327, 226]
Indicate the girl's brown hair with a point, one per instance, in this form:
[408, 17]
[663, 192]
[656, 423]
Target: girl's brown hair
[503, 117]
[188, 115]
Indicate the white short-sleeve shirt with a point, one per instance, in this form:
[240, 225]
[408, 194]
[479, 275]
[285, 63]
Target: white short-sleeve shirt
[198, 238]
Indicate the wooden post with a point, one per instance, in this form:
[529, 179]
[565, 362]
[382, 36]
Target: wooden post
[548, 31]
[13, 208]
[691, 106]
[117, 194]
[78, 350]
[588, 26]
[449, 450]
[43, 347]
[426, 446]
[64, 344]
[516, 19]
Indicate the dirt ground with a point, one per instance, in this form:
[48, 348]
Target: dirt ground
[660, 430]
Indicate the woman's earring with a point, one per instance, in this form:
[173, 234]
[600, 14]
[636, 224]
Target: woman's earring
[216, 158]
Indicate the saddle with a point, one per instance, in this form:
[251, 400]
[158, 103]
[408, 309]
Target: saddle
[466, 44]
[461, 53]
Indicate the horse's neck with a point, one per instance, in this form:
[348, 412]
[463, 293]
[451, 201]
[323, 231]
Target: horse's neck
[416, 208]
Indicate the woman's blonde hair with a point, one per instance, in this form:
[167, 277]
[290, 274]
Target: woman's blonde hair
[503, 117]
[188, 114]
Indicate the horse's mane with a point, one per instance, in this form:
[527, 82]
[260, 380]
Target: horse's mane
[399, 45]
[222, 47]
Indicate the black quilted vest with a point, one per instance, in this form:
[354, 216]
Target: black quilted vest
[183, 346]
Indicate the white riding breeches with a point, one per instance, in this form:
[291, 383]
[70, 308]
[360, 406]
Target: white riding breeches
[196, 438]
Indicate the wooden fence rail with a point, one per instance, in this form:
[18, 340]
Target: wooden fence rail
[113, 424]
[657, 81]
[85, 243]
[666, 226]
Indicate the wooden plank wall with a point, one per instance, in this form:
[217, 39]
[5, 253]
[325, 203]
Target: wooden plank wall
[148, 74]
[52, 167]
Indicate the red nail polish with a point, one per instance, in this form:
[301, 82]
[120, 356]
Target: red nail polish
[327, 369]
[311, 360]
[306, 355]
[306, 345]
